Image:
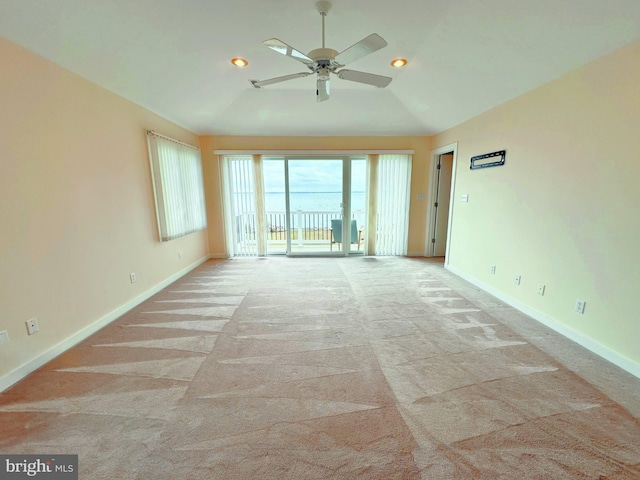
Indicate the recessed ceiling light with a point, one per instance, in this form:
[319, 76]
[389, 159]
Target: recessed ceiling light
[399, 62]
[239, 62]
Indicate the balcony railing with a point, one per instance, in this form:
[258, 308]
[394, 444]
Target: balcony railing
[306, 227]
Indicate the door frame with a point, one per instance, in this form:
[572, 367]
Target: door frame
[431, 210]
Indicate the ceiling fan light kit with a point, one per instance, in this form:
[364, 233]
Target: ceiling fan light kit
[325, 61]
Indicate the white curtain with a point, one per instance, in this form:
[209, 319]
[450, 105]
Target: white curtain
[242, 187]
[392, 204]
[178, 187]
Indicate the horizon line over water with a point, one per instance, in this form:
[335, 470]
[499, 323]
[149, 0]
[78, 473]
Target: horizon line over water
[354, 191]
[312, 201]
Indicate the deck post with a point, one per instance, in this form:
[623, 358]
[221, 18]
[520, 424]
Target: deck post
[299, 222]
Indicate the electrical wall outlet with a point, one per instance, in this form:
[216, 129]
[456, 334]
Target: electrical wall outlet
[580, 306]
[179, 254]
[132, 277]
[516, 279]
[493, 269]
[32, 326]
[541, 288]
[4, 337]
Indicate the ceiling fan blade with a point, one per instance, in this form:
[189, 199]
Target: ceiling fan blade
[361, 49]
[284, 49]
[284, 78]
[322, 91]
[363, 77]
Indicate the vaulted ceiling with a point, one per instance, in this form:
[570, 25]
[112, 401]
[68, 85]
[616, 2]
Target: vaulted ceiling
[465, 56]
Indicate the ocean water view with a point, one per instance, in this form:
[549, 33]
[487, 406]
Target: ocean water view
[318, 208]
[312, 201]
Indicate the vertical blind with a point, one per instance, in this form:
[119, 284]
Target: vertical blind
[240, 205]
[178, 187]
[392, 205]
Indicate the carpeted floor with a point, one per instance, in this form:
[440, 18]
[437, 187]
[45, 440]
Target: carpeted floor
[310, 368]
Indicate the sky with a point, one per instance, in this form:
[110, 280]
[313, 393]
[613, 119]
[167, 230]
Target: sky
[312, 175]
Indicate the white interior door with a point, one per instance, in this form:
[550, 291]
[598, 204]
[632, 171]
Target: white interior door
[445, 170]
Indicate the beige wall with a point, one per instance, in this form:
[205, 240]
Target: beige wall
[563, 210]
[419, 180]
[76, 205]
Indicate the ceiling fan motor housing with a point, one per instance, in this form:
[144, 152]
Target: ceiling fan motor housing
[323, 58]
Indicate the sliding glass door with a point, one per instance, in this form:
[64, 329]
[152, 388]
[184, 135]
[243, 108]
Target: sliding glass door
[315, 205]
[275, 205]
[305, 201]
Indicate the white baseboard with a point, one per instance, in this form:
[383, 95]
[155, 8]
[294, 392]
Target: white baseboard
[32, 365]
[599, 349]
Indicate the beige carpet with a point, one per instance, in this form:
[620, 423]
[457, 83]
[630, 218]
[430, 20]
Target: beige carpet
[309, 368]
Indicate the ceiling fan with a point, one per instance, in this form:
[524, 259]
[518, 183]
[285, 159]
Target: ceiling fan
[324, 61]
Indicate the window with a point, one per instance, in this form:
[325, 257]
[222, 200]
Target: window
[177, 185]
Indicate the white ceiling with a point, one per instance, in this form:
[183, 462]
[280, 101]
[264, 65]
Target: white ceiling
[465, 56]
